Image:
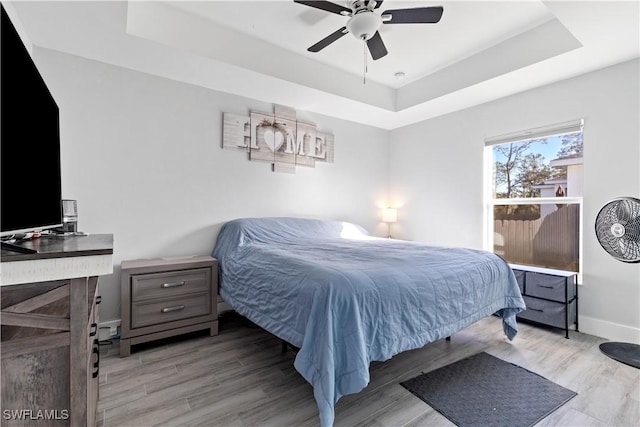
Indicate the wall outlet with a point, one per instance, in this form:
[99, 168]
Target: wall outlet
[103, 334]
[109, 330]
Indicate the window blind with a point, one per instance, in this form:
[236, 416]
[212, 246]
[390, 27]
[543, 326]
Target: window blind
[535, 133]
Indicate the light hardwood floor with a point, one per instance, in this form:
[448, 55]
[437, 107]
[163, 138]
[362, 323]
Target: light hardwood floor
[241, 378]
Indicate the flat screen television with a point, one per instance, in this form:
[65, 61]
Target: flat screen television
[30, 178]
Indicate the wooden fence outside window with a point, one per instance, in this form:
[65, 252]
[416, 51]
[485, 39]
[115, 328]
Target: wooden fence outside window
[551, 241]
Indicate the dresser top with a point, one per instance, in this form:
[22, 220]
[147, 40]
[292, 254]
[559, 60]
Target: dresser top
[160, 264]
[551, 271]
[62, 247]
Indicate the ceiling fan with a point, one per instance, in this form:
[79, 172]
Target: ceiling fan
[364, 23]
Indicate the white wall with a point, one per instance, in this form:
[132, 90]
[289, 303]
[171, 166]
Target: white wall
[437, 178]
[143, 157]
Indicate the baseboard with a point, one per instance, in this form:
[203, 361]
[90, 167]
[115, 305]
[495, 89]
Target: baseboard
[609, 330]
[108, 330]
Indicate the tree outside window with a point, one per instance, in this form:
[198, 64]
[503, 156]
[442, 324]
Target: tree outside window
[542, 232]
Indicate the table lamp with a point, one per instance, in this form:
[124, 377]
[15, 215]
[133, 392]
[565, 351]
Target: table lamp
[389, 215]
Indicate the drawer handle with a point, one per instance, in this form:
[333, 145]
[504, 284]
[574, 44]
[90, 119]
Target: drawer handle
[546, 286]
[535, 309]
[96, 364]
[170, 309]
[172, 285]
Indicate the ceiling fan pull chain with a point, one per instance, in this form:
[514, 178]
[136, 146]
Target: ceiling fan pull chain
[364, 74]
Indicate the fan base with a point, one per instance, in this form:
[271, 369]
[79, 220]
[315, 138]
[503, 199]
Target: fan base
[626, 353]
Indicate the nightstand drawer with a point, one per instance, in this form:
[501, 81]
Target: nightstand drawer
[520, 278]
[549, 287]
[170, 283]
[166, 310]
[163, 297]
[548, 312]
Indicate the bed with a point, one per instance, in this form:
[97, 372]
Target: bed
[346, 298]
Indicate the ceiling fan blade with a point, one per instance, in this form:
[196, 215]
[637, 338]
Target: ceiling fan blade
[325, 5]
[376, 46]
[418, 15]
[328, 40]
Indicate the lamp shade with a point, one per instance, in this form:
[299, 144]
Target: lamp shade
[389, 215]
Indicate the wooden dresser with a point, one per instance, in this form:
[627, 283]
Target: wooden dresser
[166, 297]
[50, 352]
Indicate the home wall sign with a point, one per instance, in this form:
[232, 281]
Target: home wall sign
[277, 138]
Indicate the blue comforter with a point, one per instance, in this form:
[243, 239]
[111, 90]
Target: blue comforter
[347, 299]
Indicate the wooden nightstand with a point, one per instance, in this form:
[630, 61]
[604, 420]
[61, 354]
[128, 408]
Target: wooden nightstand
[166, 297]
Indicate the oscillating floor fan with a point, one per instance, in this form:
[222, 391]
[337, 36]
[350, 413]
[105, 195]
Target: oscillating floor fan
[618, 231]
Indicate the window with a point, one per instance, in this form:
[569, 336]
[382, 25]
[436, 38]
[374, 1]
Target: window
[534, 196]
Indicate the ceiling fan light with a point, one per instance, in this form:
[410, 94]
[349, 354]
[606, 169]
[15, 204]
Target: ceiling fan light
[364, 25]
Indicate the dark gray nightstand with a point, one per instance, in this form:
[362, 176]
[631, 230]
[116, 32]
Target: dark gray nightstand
[166, 297]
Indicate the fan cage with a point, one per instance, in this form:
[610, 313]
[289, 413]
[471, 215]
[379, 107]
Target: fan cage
[618, 228]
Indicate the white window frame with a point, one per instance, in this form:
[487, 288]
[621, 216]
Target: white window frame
[490, 202]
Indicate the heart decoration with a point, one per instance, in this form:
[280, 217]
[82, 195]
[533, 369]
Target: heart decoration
[273, 139]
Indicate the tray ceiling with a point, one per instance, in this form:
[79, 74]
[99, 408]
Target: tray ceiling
[478, 52]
